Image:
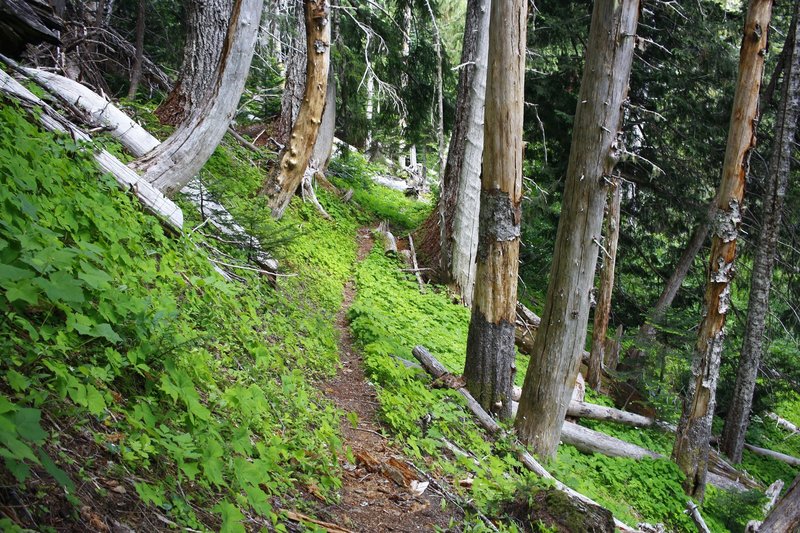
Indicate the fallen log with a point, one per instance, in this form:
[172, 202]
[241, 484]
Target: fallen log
[788, 459]
[151, 198]
[435, 368]
[590, 441]
[783, 423]
[785, 516]
[694, 513]
[389, 242]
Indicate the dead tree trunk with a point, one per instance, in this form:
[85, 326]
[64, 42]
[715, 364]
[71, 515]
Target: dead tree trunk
[294, 81]
[171, 165]
[136, 70]
[602, 310]
[450, 234]
[281, 186]
[593, 155]
[489, 365]
[738, 417]
[207, 26]
[785, 516]
[694, 430]
[439, 91]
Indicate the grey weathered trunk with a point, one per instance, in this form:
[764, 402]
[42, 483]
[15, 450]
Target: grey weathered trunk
[451, 232]
[174, 162]
[136, 69]
[593, 155]
[785, 516]
[323, 146]
[207, 26]
[295, 80]
[780, 164]
[602, 311]
[489, 365]
[694, 429]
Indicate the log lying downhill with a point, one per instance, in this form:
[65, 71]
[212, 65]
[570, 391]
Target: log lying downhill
[438, 371]
[152, 199]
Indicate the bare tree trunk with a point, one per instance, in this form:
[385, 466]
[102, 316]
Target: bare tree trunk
[136, 71]
[295, 80]
[208, 25]
[489, 366]
[281, 186]
[602, 310]
[323, 146]
[694, 430]
[450, 234]
[738, 417]
[174, 162]
[593, 155]
[439, 92]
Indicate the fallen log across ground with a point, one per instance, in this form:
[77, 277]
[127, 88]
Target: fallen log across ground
[389, 241]
[435, 368]
[788, 459]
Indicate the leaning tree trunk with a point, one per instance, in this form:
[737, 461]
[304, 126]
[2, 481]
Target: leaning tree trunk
[171, 165]
[450, 234]
[602, 310]
[208, 25]
[295, 80]
[785, 516]
[780, 164]
[593, 155]
[694, 430]
[489, 365]
[281, 186]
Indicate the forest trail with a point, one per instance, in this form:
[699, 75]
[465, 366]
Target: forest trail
[370, 500]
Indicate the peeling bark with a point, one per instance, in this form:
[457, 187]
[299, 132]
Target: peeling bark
[738, 417]
[281, 186]
[488, 368]
[691, 448]
[593, 156]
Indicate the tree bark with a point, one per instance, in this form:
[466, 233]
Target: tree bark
[450, 234]
[439, 92]
[785, 516]
[295, 80]
[738, 417]
[602, 311]
[489, 366]
[136, 70]
[207, 25]
[694, 430]
[593, 155]
[171, 165]
[281, 186]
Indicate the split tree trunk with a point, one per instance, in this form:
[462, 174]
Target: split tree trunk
[489, 366]
[171, 165]
[602, 310]
[694, 430]
[593, 155]
[738, 417]
[207, 25]
[450, 235]
[280, 187]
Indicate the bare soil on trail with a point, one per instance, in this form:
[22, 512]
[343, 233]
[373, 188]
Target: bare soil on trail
[375, 495]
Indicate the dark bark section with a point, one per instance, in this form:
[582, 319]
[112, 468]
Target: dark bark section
[207, 24]
[738, 417]
[559, 511]
[499, 221]
[594, 153]
[691, 448]
[490, 379]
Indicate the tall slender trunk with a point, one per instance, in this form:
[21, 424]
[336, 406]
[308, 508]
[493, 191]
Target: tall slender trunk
[738, 417]
[439, 91]
[602, 310]
[405, 52]
[173, 163]
[596, 147]
[489, 366]
[694, 429]
[136, 70]
[450, 234]
[281, 186]
[208, 25]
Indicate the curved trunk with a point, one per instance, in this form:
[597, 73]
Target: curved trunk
[281, 187]
[171, 165]
[489, 365]
[207, 24]
[593, 156]
[694, 430]
[450, 236]
[738, 416]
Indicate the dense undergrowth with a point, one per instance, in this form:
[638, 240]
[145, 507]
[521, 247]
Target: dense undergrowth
[134, 376]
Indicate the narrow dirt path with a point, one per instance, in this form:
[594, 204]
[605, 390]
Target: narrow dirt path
[373, 495]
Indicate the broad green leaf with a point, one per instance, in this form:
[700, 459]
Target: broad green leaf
[231, 517]
[23, 290]
[62, 287]
[12, 273]
[17, 381]
[94, 400]
[27, 421]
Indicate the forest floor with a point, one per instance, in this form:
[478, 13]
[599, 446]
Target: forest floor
[375, 495]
